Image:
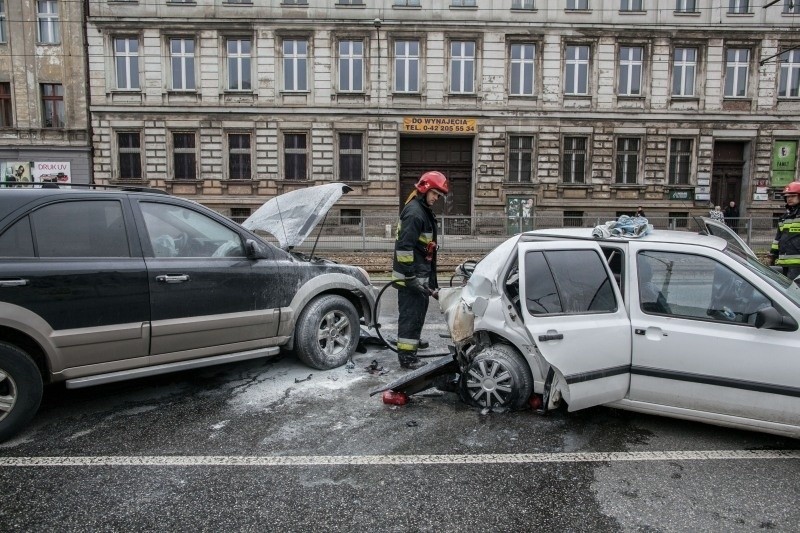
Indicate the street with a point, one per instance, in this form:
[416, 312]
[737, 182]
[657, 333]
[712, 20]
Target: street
[270, 445]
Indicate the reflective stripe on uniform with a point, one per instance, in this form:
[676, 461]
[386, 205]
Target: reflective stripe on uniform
[425, 238]
[409, 345]
[398, 277]
[404, 256]
[788, 260]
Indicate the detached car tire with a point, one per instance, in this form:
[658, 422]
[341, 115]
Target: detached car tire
[20, 390]
[497, 377]
[327, 332]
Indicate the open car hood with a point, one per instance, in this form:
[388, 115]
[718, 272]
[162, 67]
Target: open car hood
[291, 217]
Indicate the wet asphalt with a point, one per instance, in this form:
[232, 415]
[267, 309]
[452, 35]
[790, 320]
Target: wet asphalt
[279, 408]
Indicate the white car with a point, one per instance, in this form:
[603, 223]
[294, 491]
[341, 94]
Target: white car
[687, 325]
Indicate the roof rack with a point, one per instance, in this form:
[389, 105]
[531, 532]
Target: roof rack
[53, 185]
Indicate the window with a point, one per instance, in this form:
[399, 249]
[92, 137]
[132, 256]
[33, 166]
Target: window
[3, 18]
[350, 2]
[351, 66]
[737, 68]
[789, 83]
[126, 62]
[462, 67]
[523, 56]
[350, 217]
[463, 3]
[696, 287]
[184, 156]
[94, 228]
[294, 2]
[738, 6]
[6, 118]
[567, 281]
[627, 160]
[52, 105]
[572, 219]
[791, 6]
[684, 67]
[130, 155]
[631, 5]
[351, 156]
[239, 156]
[577, 75]
[295, 64]
[523, 4]
[630, 71]
[240, 214]
[17, 241]
[577, 4]
[182, 55]
[679, 218]
[680, 161]
[167, 226]
[406, 66]
[574, 160]
[47, 21]
[520, 158]
[406, 3]
[295, 156]
[686, 6]
[239, 71]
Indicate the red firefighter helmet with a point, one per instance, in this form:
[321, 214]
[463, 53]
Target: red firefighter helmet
[432, 180]
[792, 188]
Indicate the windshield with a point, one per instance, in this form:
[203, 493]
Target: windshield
[773, 277]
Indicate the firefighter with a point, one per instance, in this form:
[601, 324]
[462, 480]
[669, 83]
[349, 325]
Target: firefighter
[414, 264]
[785, 250]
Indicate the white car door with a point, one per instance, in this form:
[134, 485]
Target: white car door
[698, 353]
[575, 314]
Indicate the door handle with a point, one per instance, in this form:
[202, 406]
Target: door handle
[14, 282]
[551, 336]
[172, 278]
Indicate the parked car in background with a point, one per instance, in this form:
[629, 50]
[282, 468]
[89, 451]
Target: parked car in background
[685, 325]
[98, 286]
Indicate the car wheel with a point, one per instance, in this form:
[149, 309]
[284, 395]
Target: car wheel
[20, 390]
[497, 377]
[327, 332]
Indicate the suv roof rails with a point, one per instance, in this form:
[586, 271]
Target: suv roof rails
[49, 185]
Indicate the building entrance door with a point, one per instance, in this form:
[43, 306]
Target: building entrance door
[726, 177]
[452, 156]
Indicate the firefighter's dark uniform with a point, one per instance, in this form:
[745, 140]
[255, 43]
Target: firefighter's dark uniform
[786, 246]
[414, 256]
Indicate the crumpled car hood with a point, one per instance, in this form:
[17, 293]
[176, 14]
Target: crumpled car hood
[291, 217]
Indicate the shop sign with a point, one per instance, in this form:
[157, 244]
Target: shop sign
[440, 125]
[784, 163]
[760, 196]
[681, 194]
[51, 172]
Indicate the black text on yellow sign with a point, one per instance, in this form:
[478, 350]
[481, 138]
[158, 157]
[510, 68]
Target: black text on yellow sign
[440, 125]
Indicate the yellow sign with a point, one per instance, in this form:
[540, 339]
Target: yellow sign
[440, 125]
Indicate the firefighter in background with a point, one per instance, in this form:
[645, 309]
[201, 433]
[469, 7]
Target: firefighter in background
[414, 264]
[785, 250]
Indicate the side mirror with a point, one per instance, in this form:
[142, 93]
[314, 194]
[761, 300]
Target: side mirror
[254, 251]
[771, 318]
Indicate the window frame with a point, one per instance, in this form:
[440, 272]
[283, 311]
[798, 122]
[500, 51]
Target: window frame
[243, 62]
[407, 59]
[789, 72]
[678, 158]
[296, 59]
[629, 6]
[6, 105]
[183, 59]
[622, 157]
[517, 155]
[570, 159]
[349, 63]
[683, 66]
[124, 151]
[463, 60]
[127, 59]
[48, 30]
[184, 156]
[57, 114]
[3, 22]
[240, 154]
[739, 7]
[733, 72]
[685, 6]
[791, 7]
[577, 5]
[523, 5]
[522, 64]
[295, 152]
[574, 64]
[357, 153]
[629, 66]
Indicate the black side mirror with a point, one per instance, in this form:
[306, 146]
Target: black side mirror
[771, 318]
[254, 251]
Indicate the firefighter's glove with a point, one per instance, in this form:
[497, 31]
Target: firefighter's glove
[416, 283]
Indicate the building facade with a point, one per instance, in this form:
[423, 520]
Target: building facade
[576, 108]
[44, 117]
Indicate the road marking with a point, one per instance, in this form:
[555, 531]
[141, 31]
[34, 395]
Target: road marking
[391, 460]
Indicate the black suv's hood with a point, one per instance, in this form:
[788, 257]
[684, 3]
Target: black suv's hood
[291, 217]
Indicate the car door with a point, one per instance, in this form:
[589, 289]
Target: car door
[574, 312]
[206, 297]
[71, 269]
[699, 352]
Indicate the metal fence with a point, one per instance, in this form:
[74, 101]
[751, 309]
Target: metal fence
[481, 233]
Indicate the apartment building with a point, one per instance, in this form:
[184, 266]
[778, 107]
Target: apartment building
[44, 116]
[575, 108]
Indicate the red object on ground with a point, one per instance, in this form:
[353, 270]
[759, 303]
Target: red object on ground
[395, 398]
[535, 401]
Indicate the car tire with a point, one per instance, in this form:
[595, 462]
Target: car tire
[498, 377]
[20, 390]
[327, 332]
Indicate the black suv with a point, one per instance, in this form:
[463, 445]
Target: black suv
[101, 285]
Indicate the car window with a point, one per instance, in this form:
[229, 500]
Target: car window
[696, 287]
[175, 231]
[567, 281]
[780, 282]
[17, 240]
[86, 228]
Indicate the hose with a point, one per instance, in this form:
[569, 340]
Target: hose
[375, 324]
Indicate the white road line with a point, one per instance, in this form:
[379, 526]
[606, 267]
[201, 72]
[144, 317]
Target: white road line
[392, 460]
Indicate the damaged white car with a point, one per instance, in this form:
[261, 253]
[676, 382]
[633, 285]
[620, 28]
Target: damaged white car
[687, 325]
